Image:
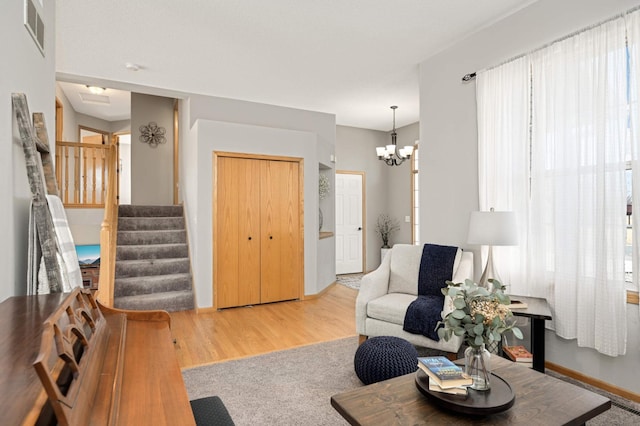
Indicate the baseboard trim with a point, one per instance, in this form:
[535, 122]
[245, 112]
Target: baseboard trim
[315, 296]
[205, 310]
[593, 381]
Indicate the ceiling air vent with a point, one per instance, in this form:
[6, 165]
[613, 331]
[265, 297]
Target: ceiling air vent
[33, 22]
[90, 98]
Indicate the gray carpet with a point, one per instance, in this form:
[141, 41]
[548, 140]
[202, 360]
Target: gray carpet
[350, 280]
[152, 268]
[294, 387]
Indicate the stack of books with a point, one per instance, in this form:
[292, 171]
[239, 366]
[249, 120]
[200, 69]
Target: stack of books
[444, 375]
[519, 354]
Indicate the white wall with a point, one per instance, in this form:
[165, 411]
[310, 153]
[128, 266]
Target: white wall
[151, 168]
[209, 124]
[85, 225]
[388, 189]
[24, 70]
[448, 130]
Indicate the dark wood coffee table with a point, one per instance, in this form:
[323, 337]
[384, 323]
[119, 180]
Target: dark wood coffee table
[540, 399]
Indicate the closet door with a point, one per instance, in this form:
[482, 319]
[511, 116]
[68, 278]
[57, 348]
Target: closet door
[281, 269]
[237, 232]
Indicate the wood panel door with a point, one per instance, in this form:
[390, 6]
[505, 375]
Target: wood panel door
[280, 229]
[237, 232]
[257, 240]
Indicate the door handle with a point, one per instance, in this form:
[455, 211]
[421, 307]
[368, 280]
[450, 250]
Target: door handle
[249, 238]
[359, 228]
[271, 237]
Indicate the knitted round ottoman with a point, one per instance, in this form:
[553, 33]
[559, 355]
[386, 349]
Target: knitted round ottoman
[382, 358]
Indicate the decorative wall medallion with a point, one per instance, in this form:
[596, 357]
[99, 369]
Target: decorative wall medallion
[152, 134]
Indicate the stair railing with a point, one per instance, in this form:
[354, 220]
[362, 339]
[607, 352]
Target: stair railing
[109, 230]
[82, 173]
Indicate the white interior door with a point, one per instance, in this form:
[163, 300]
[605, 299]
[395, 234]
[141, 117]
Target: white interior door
[349, 223]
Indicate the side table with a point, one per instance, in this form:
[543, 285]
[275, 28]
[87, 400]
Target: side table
[538, 310]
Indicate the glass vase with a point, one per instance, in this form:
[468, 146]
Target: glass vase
[477, 364]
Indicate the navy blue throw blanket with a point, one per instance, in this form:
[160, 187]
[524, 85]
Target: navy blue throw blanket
[436, 268]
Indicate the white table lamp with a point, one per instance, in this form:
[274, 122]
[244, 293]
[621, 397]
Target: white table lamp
[492, 228]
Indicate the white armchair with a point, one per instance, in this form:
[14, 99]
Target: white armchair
[386, 293]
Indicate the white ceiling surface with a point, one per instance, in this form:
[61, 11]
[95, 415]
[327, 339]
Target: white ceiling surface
[351, 58]
[117, 106]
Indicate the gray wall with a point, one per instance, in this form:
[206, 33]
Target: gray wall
[388, 189]
[449, 141]
[400, 185]
[209, 124]
[24, 70]
[151, 168]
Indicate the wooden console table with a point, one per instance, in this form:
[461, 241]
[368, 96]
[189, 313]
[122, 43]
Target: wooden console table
[540, 400]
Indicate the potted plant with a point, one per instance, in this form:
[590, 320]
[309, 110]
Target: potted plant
[480, 317]
[385, 227]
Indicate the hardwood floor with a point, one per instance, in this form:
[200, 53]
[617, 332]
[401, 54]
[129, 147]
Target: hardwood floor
[241, 332]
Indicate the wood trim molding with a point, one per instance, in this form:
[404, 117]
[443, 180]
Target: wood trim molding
[90, 129]
[59, 119]
[632, 297]
[593, 381]
[258, 157]
[321, 293]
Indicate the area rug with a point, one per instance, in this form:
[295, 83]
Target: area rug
[350, 280]
[294, 387]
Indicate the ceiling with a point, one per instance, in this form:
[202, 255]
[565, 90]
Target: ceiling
[351, 58]
[111, 105]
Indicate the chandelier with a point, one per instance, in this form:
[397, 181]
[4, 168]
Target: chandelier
[390, 154]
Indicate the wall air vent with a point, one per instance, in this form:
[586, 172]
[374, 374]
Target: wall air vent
[33, 22]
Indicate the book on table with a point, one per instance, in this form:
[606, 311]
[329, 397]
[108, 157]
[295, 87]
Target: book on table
[458, 390]
[444, 373]
[517, 304]
[518, 354]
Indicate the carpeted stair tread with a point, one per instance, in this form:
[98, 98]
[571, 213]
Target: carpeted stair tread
[172, 236]
[149, 223]
[170, 301]
[146, 267]
[149, 211]
[135, 286]
[152, 259]
[151, 251]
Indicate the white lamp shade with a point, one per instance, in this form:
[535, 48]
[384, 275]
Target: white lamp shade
[493, 228]
[381, 151]
[391, 149]
[408, 149]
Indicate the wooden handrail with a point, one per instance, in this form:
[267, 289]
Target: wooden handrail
[108, 231]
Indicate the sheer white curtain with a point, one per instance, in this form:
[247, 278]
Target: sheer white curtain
[633, 39]
[503, 98]
[570, 194]
[578, 190]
